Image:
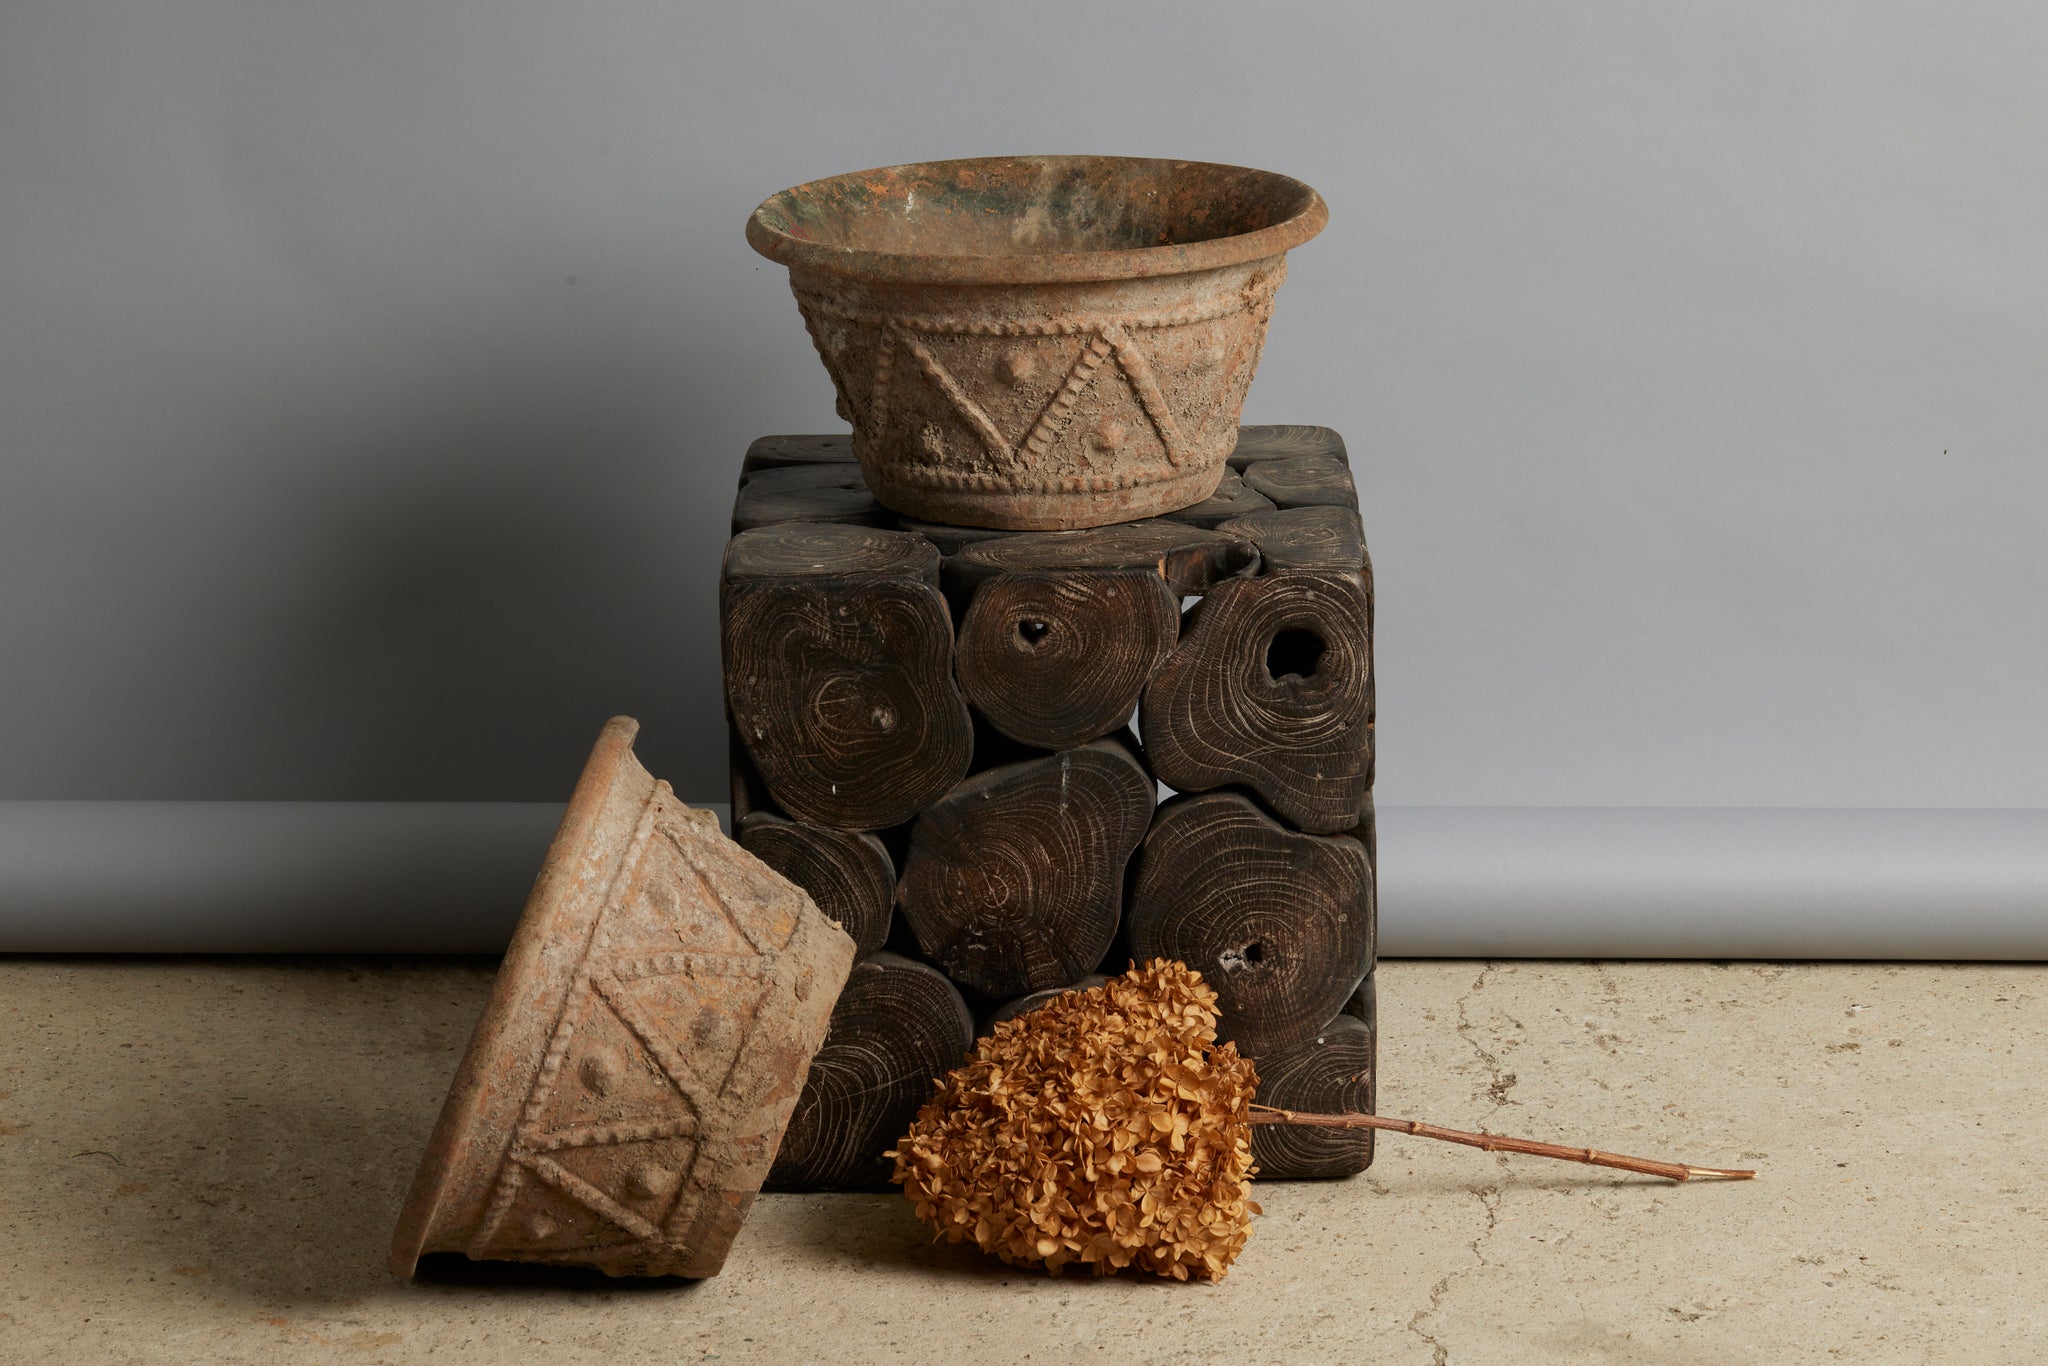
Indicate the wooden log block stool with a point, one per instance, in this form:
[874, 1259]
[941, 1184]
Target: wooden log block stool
[958, 741]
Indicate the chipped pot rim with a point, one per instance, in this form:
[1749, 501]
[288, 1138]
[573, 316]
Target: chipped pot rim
[790, 226]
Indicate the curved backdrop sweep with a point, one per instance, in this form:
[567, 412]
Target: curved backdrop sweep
[450, 877]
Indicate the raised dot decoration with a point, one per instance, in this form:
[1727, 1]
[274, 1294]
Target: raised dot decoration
[599, 1072]
[650, 1181]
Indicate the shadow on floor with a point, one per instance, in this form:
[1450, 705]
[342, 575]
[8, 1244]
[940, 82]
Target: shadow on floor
[246, 1130]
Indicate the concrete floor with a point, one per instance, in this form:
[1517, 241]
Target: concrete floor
[200, 1161]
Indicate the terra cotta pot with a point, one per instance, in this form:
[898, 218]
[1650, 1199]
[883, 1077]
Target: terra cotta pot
[1037, 343]
[646, 1039]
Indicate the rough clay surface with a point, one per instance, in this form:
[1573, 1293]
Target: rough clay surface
[200, 1161]
[627, 1085]
[1039, 342]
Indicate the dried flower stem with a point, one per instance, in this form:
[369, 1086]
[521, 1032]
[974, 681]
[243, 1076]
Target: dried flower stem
[1496, 1143]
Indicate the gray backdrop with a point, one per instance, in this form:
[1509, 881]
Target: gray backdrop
[372, 377]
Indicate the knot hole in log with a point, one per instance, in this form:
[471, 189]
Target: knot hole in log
[1053, 659]
[1250, 956]
[1270, 686]
[1294, 652]
[1279, 922]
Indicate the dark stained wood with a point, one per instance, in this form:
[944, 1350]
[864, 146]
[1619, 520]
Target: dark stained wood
[1330, 1073]
[897, 1028]
[1254, 443]
[830, 553]
[1232, 498]
[1364, 1003]
[1367, 832]
[839, 672]
[848, 874]
[855, 507]
[1056, 658]
[1278, 922]
[1010, 1010]
[1188, 558]
[1305, 538]
[777, 452]
[1016, 875]
[1304, 481]
[993, 749]
[950, 540]
[748, 793]
[1118, 959]
[1013, 881]
[1281, 443]
[829, 492]
[823, 474]
[1271, 687]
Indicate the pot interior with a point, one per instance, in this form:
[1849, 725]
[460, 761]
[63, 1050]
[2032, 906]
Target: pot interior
[1028, 206]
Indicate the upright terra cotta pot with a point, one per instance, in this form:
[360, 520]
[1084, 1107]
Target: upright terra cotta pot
[1037, 343]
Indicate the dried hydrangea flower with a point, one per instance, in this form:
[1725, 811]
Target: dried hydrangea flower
[1107, 1127]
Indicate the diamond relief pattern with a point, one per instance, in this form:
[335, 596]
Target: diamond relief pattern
[607, 1138]
[905, 358]
[1085, 399]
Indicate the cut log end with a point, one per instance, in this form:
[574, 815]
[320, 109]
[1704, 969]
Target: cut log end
[1233, 498]
[1258, 444]
[1013, 881]
[1278, 922]
[825, 550]
[1304, 538]
[841, 686]
[1304, 481]
[1271, 687]
[1189, 558]
[849, 875]
[1055, 659]
[898, 1026]
[1329, 1073]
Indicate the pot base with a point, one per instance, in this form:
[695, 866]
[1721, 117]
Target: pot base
[1057, 510]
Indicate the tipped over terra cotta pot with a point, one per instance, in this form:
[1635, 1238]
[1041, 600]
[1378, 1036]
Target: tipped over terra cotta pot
[645, 1041]
[1038, 343]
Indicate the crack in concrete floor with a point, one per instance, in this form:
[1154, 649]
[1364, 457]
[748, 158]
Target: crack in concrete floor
[1499, 1083]
[246, 1217]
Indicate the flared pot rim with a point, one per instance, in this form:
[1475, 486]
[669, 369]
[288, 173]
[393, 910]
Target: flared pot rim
[779, 229]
